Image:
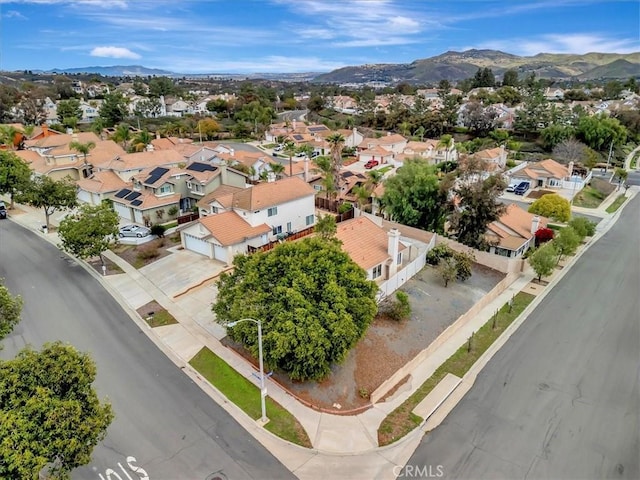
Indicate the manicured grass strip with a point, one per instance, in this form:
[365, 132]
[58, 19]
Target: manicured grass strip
[401, 421]
[556, 228]
[384, 170]
[160, 319]
[616, 204]
[246, 395]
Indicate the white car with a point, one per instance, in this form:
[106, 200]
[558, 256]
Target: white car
[278, 148]
[134, 231]
[512, 186]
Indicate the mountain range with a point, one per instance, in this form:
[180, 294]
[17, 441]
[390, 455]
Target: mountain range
[454, 66]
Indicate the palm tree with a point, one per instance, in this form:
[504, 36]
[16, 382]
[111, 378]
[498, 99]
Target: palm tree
[336, 140]
[362, 194]
[324, 164]
[141, 140]
[8, 136]
[277, 169]
[122, 134]
[84, 149]
[446, 141]
[290, 150]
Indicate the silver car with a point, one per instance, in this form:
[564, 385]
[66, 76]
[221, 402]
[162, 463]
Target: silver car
[134, 231]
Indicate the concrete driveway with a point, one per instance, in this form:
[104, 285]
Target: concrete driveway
[181, 271]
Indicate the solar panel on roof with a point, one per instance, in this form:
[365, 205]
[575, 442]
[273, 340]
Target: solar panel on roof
[123, 193]
[298, 137]
[136, 203]
[201, 167]
[347, 174]
[317, 129]
[155, 175]
[132, 196]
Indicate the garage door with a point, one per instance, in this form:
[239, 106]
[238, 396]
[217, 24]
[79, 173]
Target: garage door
[123, 211]
[220, 253]
[84, 196]
[197, 245]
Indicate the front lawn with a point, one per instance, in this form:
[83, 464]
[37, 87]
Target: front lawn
[246, 395]
[401, 421]
[588, 197]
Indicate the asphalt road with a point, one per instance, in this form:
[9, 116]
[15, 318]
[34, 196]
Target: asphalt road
[163, 419]
[560, 399]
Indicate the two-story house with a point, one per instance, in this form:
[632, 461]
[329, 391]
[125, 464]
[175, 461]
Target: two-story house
[130, 164]
[263, 213]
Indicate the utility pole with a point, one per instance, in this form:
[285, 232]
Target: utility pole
[609, 157]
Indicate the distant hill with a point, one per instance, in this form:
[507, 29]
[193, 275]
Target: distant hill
[456, 66]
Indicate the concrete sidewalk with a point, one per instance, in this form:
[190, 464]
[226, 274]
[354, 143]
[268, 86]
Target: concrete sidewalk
[344, 446]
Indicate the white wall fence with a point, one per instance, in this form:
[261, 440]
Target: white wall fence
[389, 286]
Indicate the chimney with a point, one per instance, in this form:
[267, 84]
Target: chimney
[232, 152]
[271, 177]
[393, 248]
[157, 135]
[388, 134]
[70, 131]
[306, 169]
[224, 177]
[150, 148]
[535, 223]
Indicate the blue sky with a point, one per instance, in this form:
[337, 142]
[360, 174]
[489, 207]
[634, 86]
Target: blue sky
[243, 36]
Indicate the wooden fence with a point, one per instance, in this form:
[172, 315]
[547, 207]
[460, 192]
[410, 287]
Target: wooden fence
[189, 217]
[287, 238]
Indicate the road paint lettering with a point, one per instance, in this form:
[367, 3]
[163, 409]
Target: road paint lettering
[111, 474]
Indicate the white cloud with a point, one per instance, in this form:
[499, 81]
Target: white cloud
[578, 43]
[92, 3]
[14, 14]
[268, 64]
[113, 52]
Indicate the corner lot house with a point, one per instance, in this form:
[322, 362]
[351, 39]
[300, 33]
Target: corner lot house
[251, 216]
[514, 232]
[378, 252]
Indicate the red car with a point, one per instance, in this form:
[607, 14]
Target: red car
[371, 163]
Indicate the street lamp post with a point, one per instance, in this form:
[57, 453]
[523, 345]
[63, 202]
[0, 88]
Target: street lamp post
[263, 389]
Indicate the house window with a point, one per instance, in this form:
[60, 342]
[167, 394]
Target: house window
[377, 271]
[503, 252]
[310, 219]
[317, 188]
[288, 226]
[399, 261]
[272, 211]
[165, 189]
[277, 230]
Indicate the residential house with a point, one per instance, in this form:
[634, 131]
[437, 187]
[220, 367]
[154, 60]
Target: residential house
[252, 216]
[493, 158]
[553, 94]
[53, 156]
[379, 253]
[151, 197]
[377, 153]
[431, 150]
[98, 187]
[203, 178]
[392, 142]
[343, 104]
[128, 165]
[514, 232]
[90, 110]
[544, 174]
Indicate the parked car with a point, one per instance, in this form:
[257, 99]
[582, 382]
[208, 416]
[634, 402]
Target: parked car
[371, 164]
[315, 154]
[522, 188]
[300, 154]
[134, 231]
[512, 186]
[3, 210]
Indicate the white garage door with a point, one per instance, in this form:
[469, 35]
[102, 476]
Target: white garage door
[220, 253]
[123, 211]
[84, 196]
[197, 245]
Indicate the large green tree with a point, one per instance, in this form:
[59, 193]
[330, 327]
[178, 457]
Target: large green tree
[67, 109]
[477, 207]
[600, 131]
[415, 197]
[15, 174]
[50, 195]
[113, 109]
[90, 231]
[566, 242]
[10, 308]
[552, 206]
[544, 260]
[49, 412]
[313, 301]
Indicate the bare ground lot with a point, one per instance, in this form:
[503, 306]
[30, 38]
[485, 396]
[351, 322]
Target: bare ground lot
[388, 344]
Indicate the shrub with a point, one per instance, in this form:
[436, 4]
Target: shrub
[344, 207]
[583, 227]
[158, 230]
[442, 250]
[399, 309]
[552, 206]
[543, 235]
[173, 211]
[463, 265]
[149, 253]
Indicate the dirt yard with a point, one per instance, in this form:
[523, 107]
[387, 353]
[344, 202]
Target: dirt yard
[146, 253]
[388, 344]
